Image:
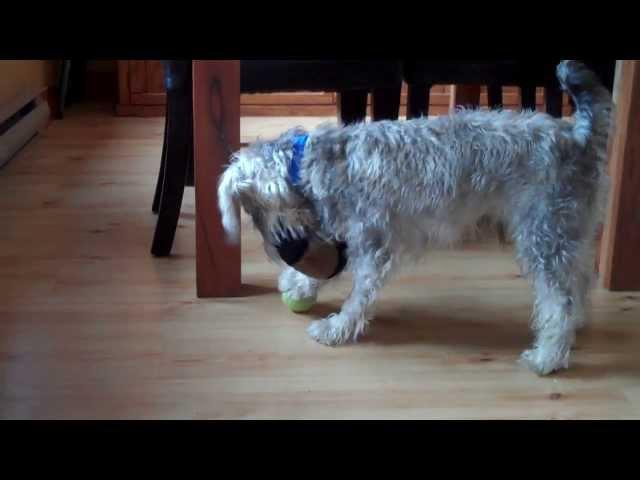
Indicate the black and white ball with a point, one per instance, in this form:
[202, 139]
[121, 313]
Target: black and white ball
[313, 256]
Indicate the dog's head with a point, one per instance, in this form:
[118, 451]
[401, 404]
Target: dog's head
[257, 180]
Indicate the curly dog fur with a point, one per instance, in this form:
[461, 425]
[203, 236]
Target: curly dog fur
[391, 189]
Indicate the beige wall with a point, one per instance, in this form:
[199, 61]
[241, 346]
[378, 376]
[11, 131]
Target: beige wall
[19, 75]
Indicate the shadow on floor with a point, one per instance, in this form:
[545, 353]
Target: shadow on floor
[600, 351]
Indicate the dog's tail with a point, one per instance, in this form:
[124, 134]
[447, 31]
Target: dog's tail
[592, 101]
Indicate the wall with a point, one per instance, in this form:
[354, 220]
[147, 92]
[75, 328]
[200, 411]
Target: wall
[17, 76]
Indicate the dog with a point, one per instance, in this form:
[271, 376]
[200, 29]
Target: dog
[391, 189]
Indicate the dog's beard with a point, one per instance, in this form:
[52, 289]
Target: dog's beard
[276, 231]
[290, 223]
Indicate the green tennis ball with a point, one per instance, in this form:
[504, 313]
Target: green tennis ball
[298, 306]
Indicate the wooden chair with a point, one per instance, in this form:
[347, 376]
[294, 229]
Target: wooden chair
[353, 80]
[421, 75]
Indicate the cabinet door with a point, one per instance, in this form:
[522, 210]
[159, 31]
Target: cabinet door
[142, 90]
[146, 82]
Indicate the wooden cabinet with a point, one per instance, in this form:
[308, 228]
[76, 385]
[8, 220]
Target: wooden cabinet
[141, 93]
[140, 88]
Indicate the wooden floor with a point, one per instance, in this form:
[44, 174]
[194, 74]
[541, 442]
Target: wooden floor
[91, 326]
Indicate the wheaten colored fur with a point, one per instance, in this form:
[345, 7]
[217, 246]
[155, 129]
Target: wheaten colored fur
[391, 189]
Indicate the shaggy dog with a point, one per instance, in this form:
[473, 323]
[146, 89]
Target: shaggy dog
[392, 189]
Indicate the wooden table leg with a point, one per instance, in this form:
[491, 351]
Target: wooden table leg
[216, 133]
[620, 253]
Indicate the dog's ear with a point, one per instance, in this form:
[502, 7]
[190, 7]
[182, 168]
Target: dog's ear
[229, 188]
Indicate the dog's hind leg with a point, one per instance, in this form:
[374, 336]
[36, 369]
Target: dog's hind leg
[561, 282]
[554, 325]
[582, 289]
[371, 266]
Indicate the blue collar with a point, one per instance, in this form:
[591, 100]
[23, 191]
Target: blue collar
[298, 152]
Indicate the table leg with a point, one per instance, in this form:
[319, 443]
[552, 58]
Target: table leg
[216, 133]
[620, 255]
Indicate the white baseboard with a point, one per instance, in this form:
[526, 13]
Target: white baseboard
[26, 127]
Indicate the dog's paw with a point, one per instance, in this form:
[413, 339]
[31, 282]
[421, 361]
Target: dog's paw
[544, 361]
[288, 280]
[329, 331]
[297, 286]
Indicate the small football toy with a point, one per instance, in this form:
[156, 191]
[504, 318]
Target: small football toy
[313, 256]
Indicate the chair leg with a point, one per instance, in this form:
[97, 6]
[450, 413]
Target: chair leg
[352, 106]
[385, 103]
[63, 88]
[494, 96]
[191, 176]
[528, 97]
[163, 161]
[77, 81]
[494, 99]
[175, 171]
[553, 100]
[418, 100]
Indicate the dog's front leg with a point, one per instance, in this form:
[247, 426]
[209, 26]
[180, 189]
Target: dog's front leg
[370, 272]
[298, 286]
